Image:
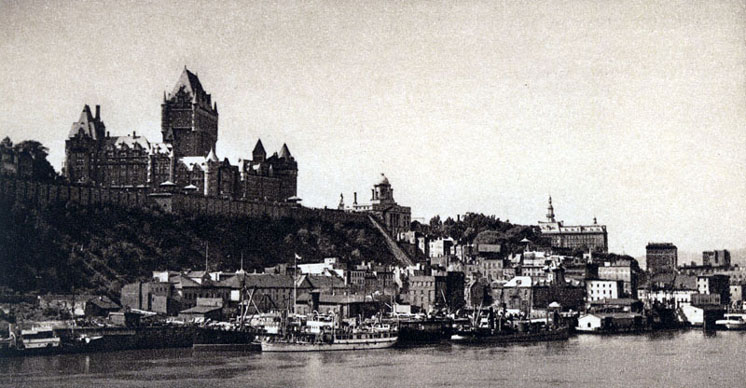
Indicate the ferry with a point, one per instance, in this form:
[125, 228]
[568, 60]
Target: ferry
[732, 321]
[354, 340]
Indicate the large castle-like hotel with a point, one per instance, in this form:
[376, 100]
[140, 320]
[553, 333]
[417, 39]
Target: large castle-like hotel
[185, 160]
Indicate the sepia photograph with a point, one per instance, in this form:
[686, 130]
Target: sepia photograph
[372, 193]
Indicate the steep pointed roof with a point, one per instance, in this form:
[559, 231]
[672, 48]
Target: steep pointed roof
[285, 152]
[88, 124]
[259, 148]
[190, 82]
[211, 157]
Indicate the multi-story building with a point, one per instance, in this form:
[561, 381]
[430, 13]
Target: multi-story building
[604, 289]
[575, 237]
[430, 292]
[396, 219]
[669, 289]
[715, 285]
[534, 296]
[441, 247]
[627, 272]
[661, 257]
[185, 160]
[491, 268]
[716, 258]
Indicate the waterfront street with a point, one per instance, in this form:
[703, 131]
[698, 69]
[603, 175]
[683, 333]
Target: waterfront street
[663, 359]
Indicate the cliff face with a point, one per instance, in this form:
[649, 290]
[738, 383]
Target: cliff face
[61, 247]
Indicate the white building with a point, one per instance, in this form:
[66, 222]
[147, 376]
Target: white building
[603, 289]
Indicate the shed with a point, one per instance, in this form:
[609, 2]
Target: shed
[100, 306]
[204, 312]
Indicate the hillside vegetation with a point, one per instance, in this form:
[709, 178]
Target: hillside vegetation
[98, 249]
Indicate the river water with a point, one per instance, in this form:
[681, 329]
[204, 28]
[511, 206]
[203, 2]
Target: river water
[665, 359]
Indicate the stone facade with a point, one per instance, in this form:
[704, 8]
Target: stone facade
[396, 219]
[661, 257]
[185, 161]
[582, 237]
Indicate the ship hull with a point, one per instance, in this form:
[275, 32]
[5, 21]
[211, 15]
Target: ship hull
[339, 345]
[468, 338]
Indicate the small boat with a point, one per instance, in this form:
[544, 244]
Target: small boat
[732, 321]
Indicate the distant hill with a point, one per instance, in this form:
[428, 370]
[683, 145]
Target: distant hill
[99, 249]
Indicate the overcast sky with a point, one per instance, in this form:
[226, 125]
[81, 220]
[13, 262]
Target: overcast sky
[630, 111]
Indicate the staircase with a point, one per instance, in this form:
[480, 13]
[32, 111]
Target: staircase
[398, 253]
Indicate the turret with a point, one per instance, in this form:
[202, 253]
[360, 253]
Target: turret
[550, 211]
[259, 154]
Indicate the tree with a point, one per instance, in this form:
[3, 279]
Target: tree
[42, 169]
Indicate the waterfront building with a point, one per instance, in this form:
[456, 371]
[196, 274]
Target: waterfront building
[716, 258]
[185, 159]
[715, 285]
[737, 293]
[100, 306]
[524, 294]
[626, 271]
[661, 257]
[396, 219]
[592, 237]
[604, 289]
[668, 289]
[436, 291]
[170, 292]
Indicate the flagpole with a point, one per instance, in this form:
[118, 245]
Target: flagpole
[295, 281]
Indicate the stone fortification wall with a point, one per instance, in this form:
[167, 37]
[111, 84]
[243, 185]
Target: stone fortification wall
[42, 194]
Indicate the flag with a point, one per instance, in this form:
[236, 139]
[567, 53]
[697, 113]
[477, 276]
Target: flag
[297, 257]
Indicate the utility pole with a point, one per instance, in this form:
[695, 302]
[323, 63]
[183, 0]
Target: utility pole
[207, 251]
[295, 282]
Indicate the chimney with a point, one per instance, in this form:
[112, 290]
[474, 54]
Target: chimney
[354, 202]
[134, 134]
[108, 134]
[98, 112]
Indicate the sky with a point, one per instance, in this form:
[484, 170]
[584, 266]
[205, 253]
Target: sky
[630, 111]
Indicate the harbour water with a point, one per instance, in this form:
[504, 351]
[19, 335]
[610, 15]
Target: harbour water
[664, 359]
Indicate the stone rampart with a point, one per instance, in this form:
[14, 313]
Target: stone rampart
[40, 194]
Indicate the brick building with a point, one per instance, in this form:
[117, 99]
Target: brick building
[185, 160]
[431, 292]
[716, 258]
[661, 257]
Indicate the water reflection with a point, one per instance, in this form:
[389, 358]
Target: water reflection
[689, 358]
